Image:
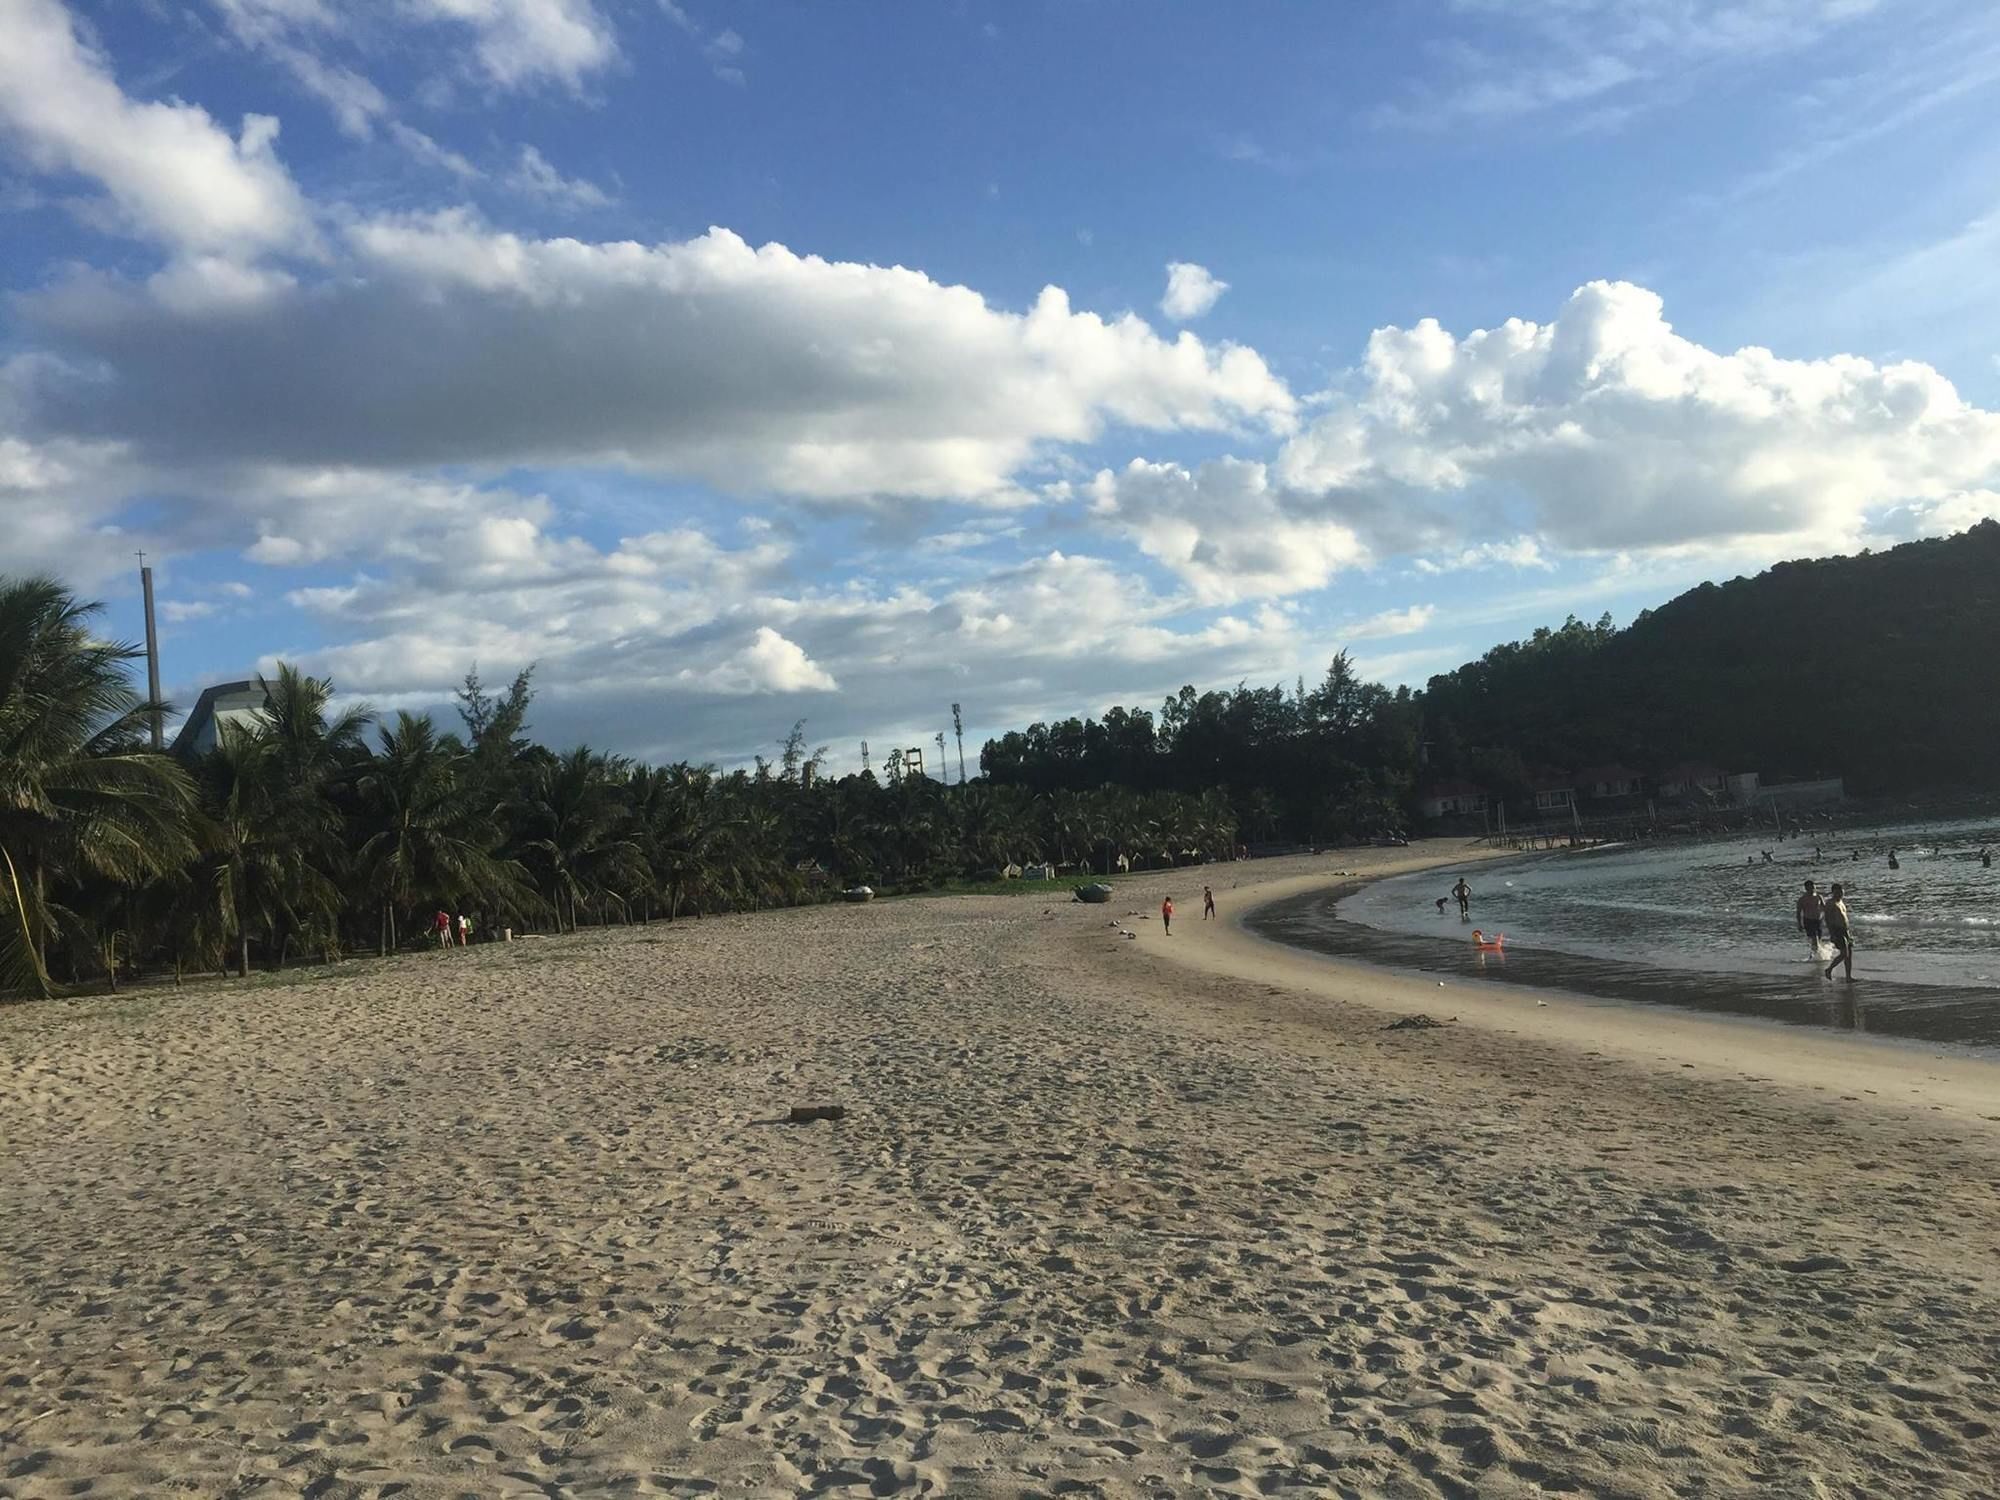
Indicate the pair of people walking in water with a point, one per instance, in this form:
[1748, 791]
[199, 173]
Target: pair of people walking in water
[1828, 916]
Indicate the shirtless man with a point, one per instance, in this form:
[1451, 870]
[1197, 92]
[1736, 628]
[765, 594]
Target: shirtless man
[1463, 894]
[1809, 908]
[1837, 925]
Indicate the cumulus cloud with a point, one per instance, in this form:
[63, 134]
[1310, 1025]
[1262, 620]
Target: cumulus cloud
[759, 370]
[1191, 291]
[535, 176]
[172, 173]
[1616, 432]
[675, 645]
[521, 42]
[1224, 528]
[59, 500]
[770, 664]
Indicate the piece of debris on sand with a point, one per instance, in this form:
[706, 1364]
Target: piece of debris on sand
[1419, 1022]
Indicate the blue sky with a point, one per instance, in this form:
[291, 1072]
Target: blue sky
[706, 354]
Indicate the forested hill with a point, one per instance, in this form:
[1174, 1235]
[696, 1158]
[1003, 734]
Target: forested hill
[1882, 668]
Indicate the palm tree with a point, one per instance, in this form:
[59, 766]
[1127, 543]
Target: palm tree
[273, 845]
[425, 842]
[268, 788]
[681, 828]
[574, 824]
[80, 796]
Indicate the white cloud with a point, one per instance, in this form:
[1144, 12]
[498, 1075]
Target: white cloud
[521, 42]
[58, 502]
[1603, 58]
[721, 50]
[295, 34]
[1191, 291]
[173, 174]
[968, 538]
[755, 369]
[536, 176]
[771, 664]
[319, 515]
[1519, 552]
[1225, 528]
[431, 153]
[673, 645]
[175, 611]
[274, 28]
[1616, 432]
[1391, 622]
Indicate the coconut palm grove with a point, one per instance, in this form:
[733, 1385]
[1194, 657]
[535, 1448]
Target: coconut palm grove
[312, 832]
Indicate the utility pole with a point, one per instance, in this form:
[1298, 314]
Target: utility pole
[958, 728]
[152, 655]
[944, 770]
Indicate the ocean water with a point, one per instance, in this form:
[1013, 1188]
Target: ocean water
[1708, 926]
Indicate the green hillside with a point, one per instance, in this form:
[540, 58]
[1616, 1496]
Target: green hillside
[1880, 668]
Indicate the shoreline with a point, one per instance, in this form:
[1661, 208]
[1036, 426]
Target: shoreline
[1658, 1038]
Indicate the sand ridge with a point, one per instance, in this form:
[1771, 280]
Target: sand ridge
[514, 1222]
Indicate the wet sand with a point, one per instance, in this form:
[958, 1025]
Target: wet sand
[1106, 1217]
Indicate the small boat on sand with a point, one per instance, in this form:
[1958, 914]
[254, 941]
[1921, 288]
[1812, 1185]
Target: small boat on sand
[1095, 894]
[858, 893]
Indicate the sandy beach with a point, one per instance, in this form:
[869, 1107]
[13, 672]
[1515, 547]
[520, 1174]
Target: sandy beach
[1106, 1216]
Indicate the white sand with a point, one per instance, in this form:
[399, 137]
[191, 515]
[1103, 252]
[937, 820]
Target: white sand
[1106, 1218]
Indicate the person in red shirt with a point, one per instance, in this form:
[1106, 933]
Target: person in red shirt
[1167, 915]
[443, 925]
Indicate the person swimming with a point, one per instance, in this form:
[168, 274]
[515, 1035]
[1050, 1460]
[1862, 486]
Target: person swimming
[1894, 863]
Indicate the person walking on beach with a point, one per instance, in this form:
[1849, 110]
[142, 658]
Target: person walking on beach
[1463, 894]
[442, 924]
[1167, 915]
[1838, 933]
[1207, 903]
[464, 930]
[1809, 908]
